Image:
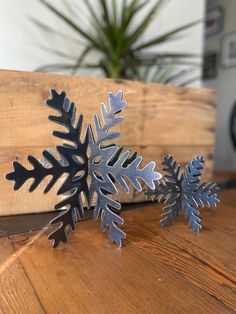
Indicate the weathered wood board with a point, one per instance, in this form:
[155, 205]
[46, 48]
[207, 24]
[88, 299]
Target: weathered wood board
[158, 270]
[159, 120]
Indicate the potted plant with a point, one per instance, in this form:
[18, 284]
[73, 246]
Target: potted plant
[116, 34]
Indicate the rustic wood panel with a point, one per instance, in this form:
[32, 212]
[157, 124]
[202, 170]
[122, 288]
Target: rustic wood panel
[16, 292]
[207, 259]
[216, 245]
[156, 114]
[125, 281]
[178, 122]
[159, 119]
[157, 270]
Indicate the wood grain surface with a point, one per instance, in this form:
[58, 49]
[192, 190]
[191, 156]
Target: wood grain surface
[159, 120]
[158, 270]
[17, 294]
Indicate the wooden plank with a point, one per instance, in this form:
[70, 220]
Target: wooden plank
[227, 197]
[156, 114]
[159, 119]
[16, 292]
[207, 264]
[174, 122]
[215, 245]
[157, 270]
[89, 275]
[216, 248]
[174, 118]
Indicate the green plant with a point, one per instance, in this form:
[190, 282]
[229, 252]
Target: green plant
[116, 35]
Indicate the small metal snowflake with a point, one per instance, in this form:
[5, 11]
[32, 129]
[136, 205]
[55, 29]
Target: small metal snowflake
[92, 167]
[183, 191]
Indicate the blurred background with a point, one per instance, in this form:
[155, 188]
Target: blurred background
[178, 42]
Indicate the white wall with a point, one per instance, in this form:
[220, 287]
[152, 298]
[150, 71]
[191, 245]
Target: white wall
[224, 84]
[19, 38]
[176, 14]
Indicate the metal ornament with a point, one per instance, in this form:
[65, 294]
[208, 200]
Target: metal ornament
[182, 191]
[92, 168]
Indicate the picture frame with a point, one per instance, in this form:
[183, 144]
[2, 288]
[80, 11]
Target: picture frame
[228, 50]
[214, 21]
[210, 65]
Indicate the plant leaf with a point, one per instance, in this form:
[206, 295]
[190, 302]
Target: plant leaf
[55, 32]
[64, 66]
[57, 52]
[81, 58]
[144, 24]
[166, 36]
[190, 81]
[69, 22]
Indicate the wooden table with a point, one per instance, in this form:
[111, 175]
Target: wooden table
[157, 270]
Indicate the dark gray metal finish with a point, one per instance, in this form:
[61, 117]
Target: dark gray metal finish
[182, 191]
[92, 168]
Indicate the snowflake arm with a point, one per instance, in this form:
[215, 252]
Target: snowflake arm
[189, 207]
[20, 174]
[113, 167]
[69, 165]
[170, 210]
[205, 195]
[67, 110]
[168, 190]
[116, 105]
[159, 193]
[191, 174]
[76, 156]
[172, 171]
[195, 195]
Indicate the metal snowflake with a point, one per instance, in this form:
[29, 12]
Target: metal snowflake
[183, 191]
[92, 168]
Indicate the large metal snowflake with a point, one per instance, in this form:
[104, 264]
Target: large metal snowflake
[92, 168]
[183, 191]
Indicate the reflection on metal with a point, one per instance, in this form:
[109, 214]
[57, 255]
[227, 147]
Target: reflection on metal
[91, 167]
[182, 191]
